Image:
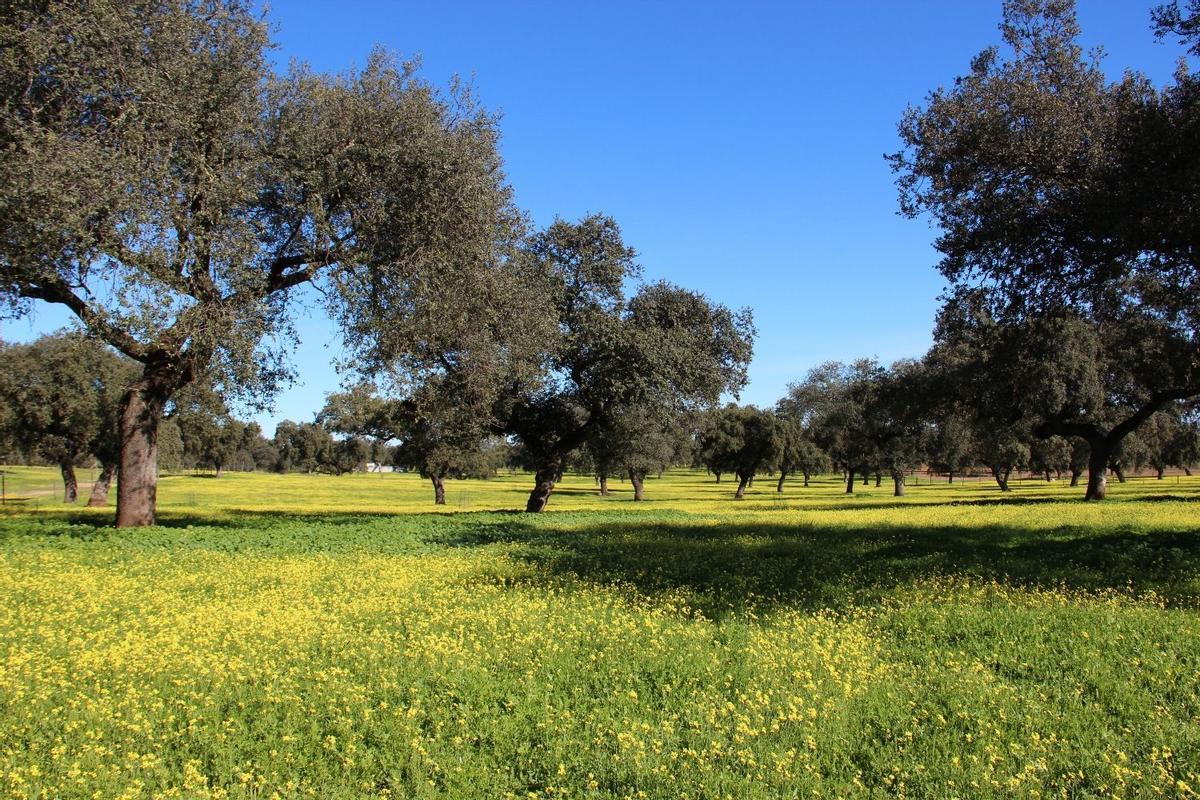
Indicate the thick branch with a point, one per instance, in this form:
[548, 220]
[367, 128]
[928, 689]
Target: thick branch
[58, 292]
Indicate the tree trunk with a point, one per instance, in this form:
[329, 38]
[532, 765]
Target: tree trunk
[866, 479]
[850, 482]
[782, 477]
[1048, 478]
[439, 490]
[100, 487]
[70, 482]
[805, 480]
[1120, 470]
[638, 482]
[950, 477]
[898, 482]
[878, 480]
[1097, 485]
[141, 412]
[718, 476]
[604, 484]
[544, 485]
[1075, 473]
[221, 470]
[1162, 472]
[741, 490]
[1001, 476]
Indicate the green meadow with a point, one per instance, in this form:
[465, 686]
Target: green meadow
[335, 637]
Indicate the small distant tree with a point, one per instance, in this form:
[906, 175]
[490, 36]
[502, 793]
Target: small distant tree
[59, 392]
[831, 403]
[1050, 457]
[797, 453]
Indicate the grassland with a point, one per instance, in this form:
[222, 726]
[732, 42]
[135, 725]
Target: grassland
[300, 636]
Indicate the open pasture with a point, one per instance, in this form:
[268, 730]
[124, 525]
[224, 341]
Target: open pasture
[314, 636]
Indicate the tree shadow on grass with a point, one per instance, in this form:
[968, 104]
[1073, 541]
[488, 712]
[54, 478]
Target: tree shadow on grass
[723, 567]
[719, 564]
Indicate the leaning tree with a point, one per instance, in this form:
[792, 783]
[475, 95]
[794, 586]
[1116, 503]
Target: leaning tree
[163, 185]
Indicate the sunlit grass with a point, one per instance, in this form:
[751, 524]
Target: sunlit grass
[324, 637]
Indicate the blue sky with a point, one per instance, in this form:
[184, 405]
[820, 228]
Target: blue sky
[739, 146]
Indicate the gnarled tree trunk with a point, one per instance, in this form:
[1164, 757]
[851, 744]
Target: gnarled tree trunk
[141, 411]
[70, 482]
[782, 477]
[898, 483]
[743, 481]
[1001, 476]
[100, 488]
[638, 480]
[1075, 473]
[544, 478]
[439, 490]
[1097, 486]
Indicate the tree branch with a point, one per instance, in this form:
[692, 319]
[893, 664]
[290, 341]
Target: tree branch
[56, 291]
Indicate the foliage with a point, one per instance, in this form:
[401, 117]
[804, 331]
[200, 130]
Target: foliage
[165, 159]
[61, 396]
[664, 351]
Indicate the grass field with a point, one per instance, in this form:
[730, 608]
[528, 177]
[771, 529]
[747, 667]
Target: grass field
[329, 637]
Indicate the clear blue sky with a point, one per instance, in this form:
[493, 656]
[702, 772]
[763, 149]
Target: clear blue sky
[739, 146]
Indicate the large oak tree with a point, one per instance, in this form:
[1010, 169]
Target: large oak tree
[161, 183]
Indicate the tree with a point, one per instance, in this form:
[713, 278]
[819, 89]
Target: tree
[797, 453]
[59, 393]
[148, 146]
[751, 442]
[636, 444]
[304, 446]
[1065, 208]
[665, 349]
[831, 403]
[896, 412]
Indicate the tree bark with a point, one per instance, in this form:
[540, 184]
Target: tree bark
[638, 482]
[878, 480]
[544, 484]
[718, 476]
[1097, 486]
[1048, 478]
[782, 477]
[1162, 473]
[100, 488]
[141, 411]
[603, 477]
[950, 477]
[866, 479]
[439, 490]
[898, 482]
[1001, 476]
[70, 482]
[805, 480]
[1075, 473]
[850, 482]
[1120, 470]
[743, 480]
